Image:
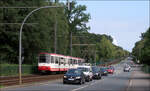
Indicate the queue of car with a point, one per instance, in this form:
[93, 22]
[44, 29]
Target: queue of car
[83, 74]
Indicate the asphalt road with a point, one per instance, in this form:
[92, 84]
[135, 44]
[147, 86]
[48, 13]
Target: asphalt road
[119, 81]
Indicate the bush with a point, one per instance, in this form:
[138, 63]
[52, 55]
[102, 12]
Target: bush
[12, 69]
[146, 68]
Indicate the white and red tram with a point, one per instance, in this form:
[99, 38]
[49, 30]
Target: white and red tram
[56, 62]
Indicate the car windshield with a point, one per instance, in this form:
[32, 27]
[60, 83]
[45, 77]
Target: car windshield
[73, 71]
[102, 69]
[84, 69]
[94, 69]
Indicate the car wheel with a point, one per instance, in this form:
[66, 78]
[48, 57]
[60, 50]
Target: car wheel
[100, 77]
[88, 79]
[64, 82]
[81, 82]
[91, 79]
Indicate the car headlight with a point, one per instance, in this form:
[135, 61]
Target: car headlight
[96, 73]
[65, 76]
[78, 77]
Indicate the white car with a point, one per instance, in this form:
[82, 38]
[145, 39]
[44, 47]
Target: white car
[127, 68]
[87, 70]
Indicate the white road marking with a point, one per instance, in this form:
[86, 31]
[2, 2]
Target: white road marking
[87, 85]
[93, 83]
[130, 83]
[79, 88]
[96, 82]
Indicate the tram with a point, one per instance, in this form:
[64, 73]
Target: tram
[57, 63]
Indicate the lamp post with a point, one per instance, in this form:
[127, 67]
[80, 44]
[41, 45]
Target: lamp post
[20, 36]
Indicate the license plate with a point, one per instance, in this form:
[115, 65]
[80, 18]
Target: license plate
[70, 79]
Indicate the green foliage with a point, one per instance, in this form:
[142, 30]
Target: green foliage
[12, 69]
[1, 86]
[142, 48]
[38, 33]
[77, 18]
[105, 48]
[146, 68]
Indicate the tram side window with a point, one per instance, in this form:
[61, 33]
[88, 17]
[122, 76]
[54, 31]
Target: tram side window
[56, 60]
[76, 61]
[79, 61]
[52, 59]
[61, 60]
[72, 61]
[48, 59]
[69, 61]
[65, 61]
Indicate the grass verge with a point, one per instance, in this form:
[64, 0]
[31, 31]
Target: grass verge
[1, 86]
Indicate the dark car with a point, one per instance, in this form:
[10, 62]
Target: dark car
[104, 71]
[96, 72]
[74, 76]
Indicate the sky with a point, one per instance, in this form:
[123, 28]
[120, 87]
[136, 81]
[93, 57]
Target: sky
[123, 20]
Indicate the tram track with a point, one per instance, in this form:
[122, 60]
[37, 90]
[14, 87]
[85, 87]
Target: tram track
[9, 81]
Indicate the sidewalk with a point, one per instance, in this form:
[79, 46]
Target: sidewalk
[139, 81]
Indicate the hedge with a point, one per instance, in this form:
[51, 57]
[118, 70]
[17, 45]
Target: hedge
[146, 68]
[12, 69]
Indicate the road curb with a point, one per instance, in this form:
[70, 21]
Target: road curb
[28, 84]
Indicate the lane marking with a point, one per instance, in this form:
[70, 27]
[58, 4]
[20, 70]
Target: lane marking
[79, 88]
[96, 82]
[87, 85]
[93, 83]
[130, 83]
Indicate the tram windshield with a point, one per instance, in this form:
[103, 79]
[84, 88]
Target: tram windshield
[44, 58]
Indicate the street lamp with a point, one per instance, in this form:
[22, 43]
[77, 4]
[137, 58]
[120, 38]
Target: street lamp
[20, 36]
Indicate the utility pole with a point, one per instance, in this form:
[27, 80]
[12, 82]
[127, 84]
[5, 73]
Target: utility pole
[95, 57]
[69, 9]
[55, 34]
[70, 43]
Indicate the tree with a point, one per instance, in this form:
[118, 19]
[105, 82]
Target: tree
[105, 48]
[141, 49]
[77, 18]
